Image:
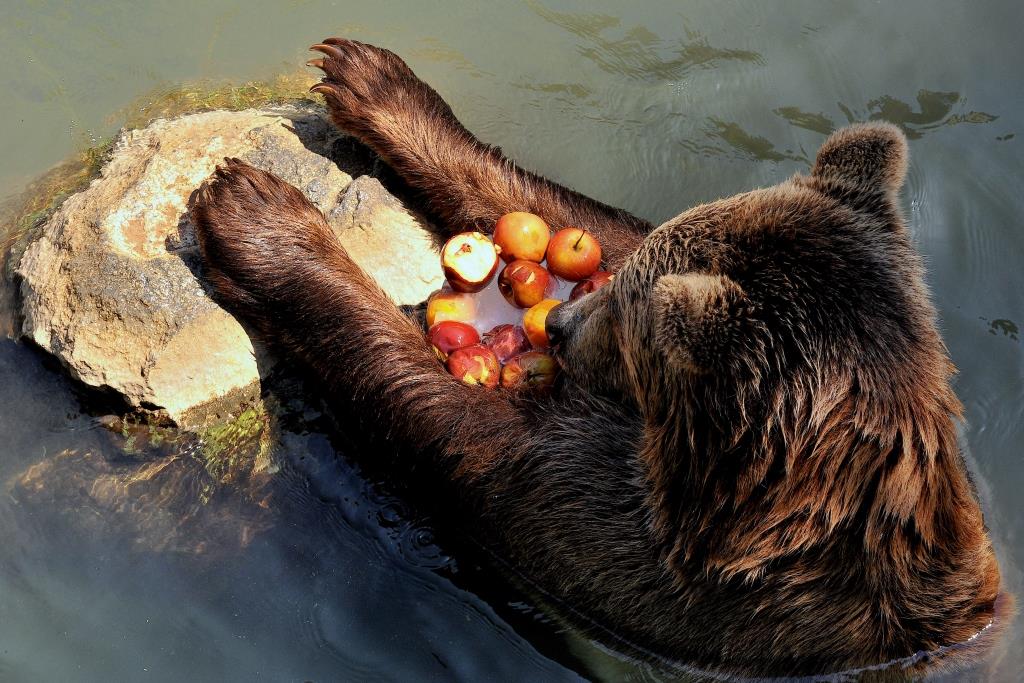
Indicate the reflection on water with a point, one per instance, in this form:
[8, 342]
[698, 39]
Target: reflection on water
[577, 91]
[437, 51]
[256, 551]
[934, 110]
[819, 123]
[752, 146]
[1007, 328]
[638, 52]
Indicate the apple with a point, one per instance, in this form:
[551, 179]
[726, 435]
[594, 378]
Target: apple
[469, 261]
[507, 341]
[525, 283]
[475, 365]
[533, 322]
[591, 284]
[573, 254]
[531, 369]
[521, 235]
[444, 304]
[451, 335]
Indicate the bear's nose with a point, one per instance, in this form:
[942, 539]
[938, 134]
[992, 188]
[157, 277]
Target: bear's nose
[554, 325]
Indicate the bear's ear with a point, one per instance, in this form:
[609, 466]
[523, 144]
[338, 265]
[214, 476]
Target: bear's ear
[866, 153]
[699, 319]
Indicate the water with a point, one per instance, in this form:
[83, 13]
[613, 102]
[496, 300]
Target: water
[317, 574]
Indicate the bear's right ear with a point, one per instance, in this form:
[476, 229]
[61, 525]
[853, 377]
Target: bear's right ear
[870, 154]
[699, 319]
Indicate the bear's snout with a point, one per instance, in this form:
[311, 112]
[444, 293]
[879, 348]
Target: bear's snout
[555, 326]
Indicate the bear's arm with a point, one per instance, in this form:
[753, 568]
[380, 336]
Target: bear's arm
[273, 262]
[380, 374]
[467, 184]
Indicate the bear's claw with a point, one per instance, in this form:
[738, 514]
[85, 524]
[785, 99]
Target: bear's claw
[322, 88]
[329, 50]
[333, 40]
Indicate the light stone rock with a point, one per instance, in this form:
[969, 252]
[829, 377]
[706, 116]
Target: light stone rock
[404, 261]
[110, 284]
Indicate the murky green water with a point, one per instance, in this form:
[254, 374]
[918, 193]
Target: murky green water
[653, 106]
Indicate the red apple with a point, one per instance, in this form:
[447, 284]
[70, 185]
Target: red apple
[507, 341]
[521, 235]
[469, 261]
[573, 254]
[531, 369]
[525, 283]
[444, 304]
[450, 335]
[533, 322]
[591, 284]
[475, 365]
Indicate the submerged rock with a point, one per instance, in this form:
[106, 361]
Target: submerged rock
[157, 489]
[111, 285]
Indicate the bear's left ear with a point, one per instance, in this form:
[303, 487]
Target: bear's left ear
[866, 153]
[699, 319]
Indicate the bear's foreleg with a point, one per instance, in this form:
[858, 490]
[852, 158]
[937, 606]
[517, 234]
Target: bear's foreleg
[273, 261]
[374, 95]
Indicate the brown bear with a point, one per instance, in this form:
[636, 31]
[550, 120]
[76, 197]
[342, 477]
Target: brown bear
[752, 464]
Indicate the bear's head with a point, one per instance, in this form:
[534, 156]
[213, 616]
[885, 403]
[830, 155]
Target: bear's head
[782, 350]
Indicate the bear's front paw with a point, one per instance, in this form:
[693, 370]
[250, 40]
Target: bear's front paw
[255, 233]
[368, 88]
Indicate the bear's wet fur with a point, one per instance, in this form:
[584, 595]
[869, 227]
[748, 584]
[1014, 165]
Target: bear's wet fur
[752, 464]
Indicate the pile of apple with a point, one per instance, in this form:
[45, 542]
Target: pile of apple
[513, 352]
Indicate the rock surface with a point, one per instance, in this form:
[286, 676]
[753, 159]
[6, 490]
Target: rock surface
[110, 285]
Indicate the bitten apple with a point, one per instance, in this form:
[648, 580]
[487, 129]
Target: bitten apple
[444, 304]
[507, 341]
[531, 369]
[573, 254]
[591, 284]
[533, 322]
[521, 235]
[475, 365]
[451, 335]
[524, 283]
[469, 261]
